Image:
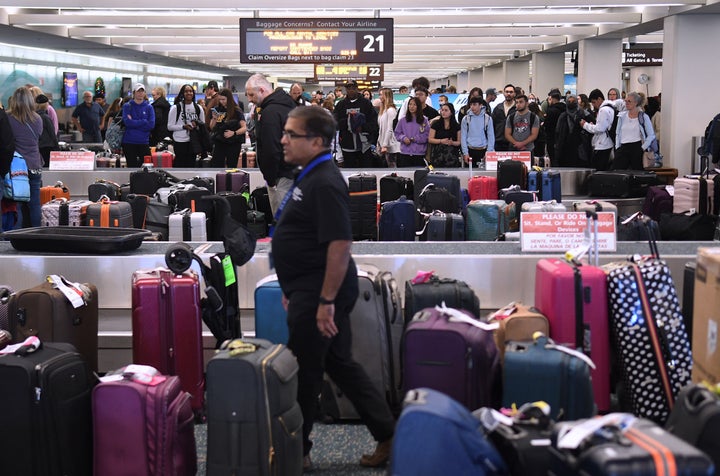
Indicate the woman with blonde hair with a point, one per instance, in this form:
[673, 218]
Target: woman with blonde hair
[27, 126]
[634, 134]
[387, 144]
[52, 114]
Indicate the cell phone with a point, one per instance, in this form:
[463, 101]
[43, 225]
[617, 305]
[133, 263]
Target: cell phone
[214, 111]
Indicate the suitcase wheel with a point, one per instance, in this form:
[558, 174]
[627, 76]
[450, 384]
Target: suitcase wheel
[179, 257]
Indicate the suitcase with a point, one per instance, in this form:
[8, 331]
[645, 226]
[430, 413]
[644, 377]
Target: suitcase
[256, 223]
[363, 206]
[542, 371]
[393, 186]
[46, 423]
[514, 194]
[433, 198]
[451, 183]
[595, 206]
[632, 446]
[522, 440]
[657, 201]
[260, 201]
[444, 227]
[103, 188]
[232, 180]
[545, 206]
[665, 175]
[455, 358]
[512, 172]
[434, 291]
[157, 218]
[486, 220]
[620, 183]
[650, 340]
[695, 193]
[270, 315]
[52, 192]
[483, 187]
[45, 311]
[575, 300]
[695, 419]
[377, 327]
[110, 214]
[437, 435]
[631, 229]
[397, 220]
[156, 424]
[185, 225]
[254, 421]
[64, 212]
[551, 186]
[138, 206]
[534, 182]
[517, 322]
[166, 328]
[146, 181]
[5, 293]
[201, 182]
[687, 226]
[163, 159]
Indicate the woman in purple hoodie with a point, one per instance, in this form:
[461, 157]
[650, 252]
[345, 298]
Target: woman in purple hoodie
[412, 131]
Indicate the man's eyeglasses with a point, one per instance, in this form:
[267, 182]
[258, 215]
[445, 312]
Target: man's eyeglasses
[294, 135]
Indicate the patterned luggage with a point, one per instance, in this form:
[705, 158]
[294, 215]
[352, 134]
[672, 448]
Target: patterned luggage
[64, 212]
[650, 339]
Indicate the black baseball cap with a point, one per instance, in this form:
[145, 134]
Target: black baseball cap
[351, 83]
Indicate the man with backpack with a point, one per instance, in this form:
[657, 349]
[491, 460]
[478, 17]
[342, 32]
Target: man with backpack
[603, 130]
[522, 126]
[477, 135]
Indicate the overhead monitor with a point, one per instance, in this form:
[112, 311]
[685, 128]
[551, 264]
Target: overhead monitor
[70, 90]
[314, 40]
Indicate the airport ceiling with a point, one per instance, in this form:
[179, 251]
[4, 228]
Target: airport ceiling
[430, 41]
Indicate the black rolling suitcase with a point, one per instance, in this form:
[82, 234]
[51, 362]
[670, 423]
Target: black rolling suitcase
[451, 183]
[254, 423]
[512, 172]
[624, 446]
[433, 291]
[46, 418]
[363, 206]
[444, 227]
[393, 186]
[147, 181]
[696, 420]
[621, 183]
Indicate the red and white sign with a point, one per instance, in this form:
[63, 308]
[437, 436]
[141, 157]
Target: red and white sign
[492, 158]
[561, 231]
[72, 160]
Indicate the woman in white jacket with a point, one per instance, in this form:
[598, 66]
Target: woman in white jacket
[633, 136]
[388, 144]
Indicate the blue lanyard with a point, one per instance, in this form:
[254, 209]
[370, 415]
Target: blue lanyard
[305, 170]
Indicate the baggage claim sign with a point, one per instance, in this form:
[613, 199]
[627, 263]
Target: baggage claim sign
[327, 40]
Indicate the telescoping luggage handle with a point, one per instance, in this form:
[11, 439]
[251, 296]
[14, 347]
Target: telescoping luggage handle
[652, 239]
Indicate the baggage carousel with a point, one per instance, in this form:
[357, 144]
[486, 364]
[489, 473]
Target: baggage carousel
[499, 272]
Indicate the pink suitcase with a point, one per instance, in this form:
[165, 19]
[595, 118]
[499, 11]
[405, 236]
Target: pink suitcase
[556, 280]
[143, 430]
[167, 328]
[483, 187]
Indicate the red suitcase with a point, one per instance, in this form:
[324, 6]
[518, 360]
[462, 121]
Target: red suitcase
[483, 187]
[155, 423]
[167, 328]
[163, 159]
[555, 281]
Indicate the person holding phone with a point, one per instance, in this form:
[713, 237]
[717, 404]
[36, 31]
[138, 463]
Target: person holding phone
[227, 127]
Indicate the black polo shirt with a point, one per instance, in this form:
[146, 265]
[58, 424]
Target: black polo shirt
[317, 213]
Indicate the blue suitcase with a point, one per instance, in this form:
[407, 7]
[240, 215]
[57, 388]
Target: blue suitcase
[397, 220]
[437, 435]
[551, 188]
[270, 316]
[534, 183]
[543, 371]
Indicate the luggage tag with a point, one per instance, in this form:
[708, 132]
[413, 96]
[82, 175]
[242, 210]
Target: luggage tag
[422, 277]
[571, 437]
[455, 315]
[550, 344]
[76, 293]
[28, 346]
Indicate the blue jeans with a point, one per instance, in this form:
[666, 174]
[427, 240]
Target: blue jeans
[31, 209]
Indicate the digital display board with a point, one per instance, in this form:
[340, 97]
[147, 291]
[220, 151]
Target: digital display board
[70, 90]
[326, 40]
[327, 72]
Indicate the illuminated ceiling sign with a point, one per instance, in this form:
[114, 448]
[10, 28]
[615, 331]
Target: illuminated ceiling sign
[327, 72]
[306, 40]
[642, 57]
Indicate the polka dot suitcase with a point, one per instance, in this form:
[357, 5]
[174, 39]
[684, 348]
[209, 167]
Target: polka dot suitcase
[650, 339]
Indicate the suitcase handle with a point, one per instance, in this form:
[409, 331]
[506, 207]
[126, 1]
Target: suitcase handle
[698, 397]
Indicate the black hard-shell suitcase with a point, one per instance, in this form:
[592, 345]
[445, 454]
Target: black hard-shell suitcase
[363, 206]
[147, 181]
[635, 447]
[46, 418]
[434, 198]
[254, 421]
[444, 227]
[202, 182]
[393, 186]
[46, 312]
[101, 188]
[696, 420]
[451, 183]
[620, 183]
[650, 340]
[138, 206]
[512, 172]
[377, 327]
[433, 292]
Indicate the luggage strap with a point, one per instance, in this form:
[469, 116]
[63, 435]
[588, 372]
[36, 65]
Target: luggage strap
[663, 458]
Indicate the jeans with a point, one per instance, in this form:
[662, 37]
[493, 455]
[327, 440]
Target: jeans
[31, 209]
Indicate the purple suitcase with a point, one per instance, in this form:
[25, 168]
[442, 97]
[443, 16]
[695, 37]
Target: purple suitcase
[232, 180]
[143, 430]
[456, 358]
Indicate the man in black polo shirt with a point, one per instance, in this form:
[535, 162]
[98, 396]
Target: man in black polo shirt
[311, 252]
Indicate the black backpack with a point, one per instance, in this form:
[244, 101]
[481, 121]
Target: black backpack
[613, 128]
